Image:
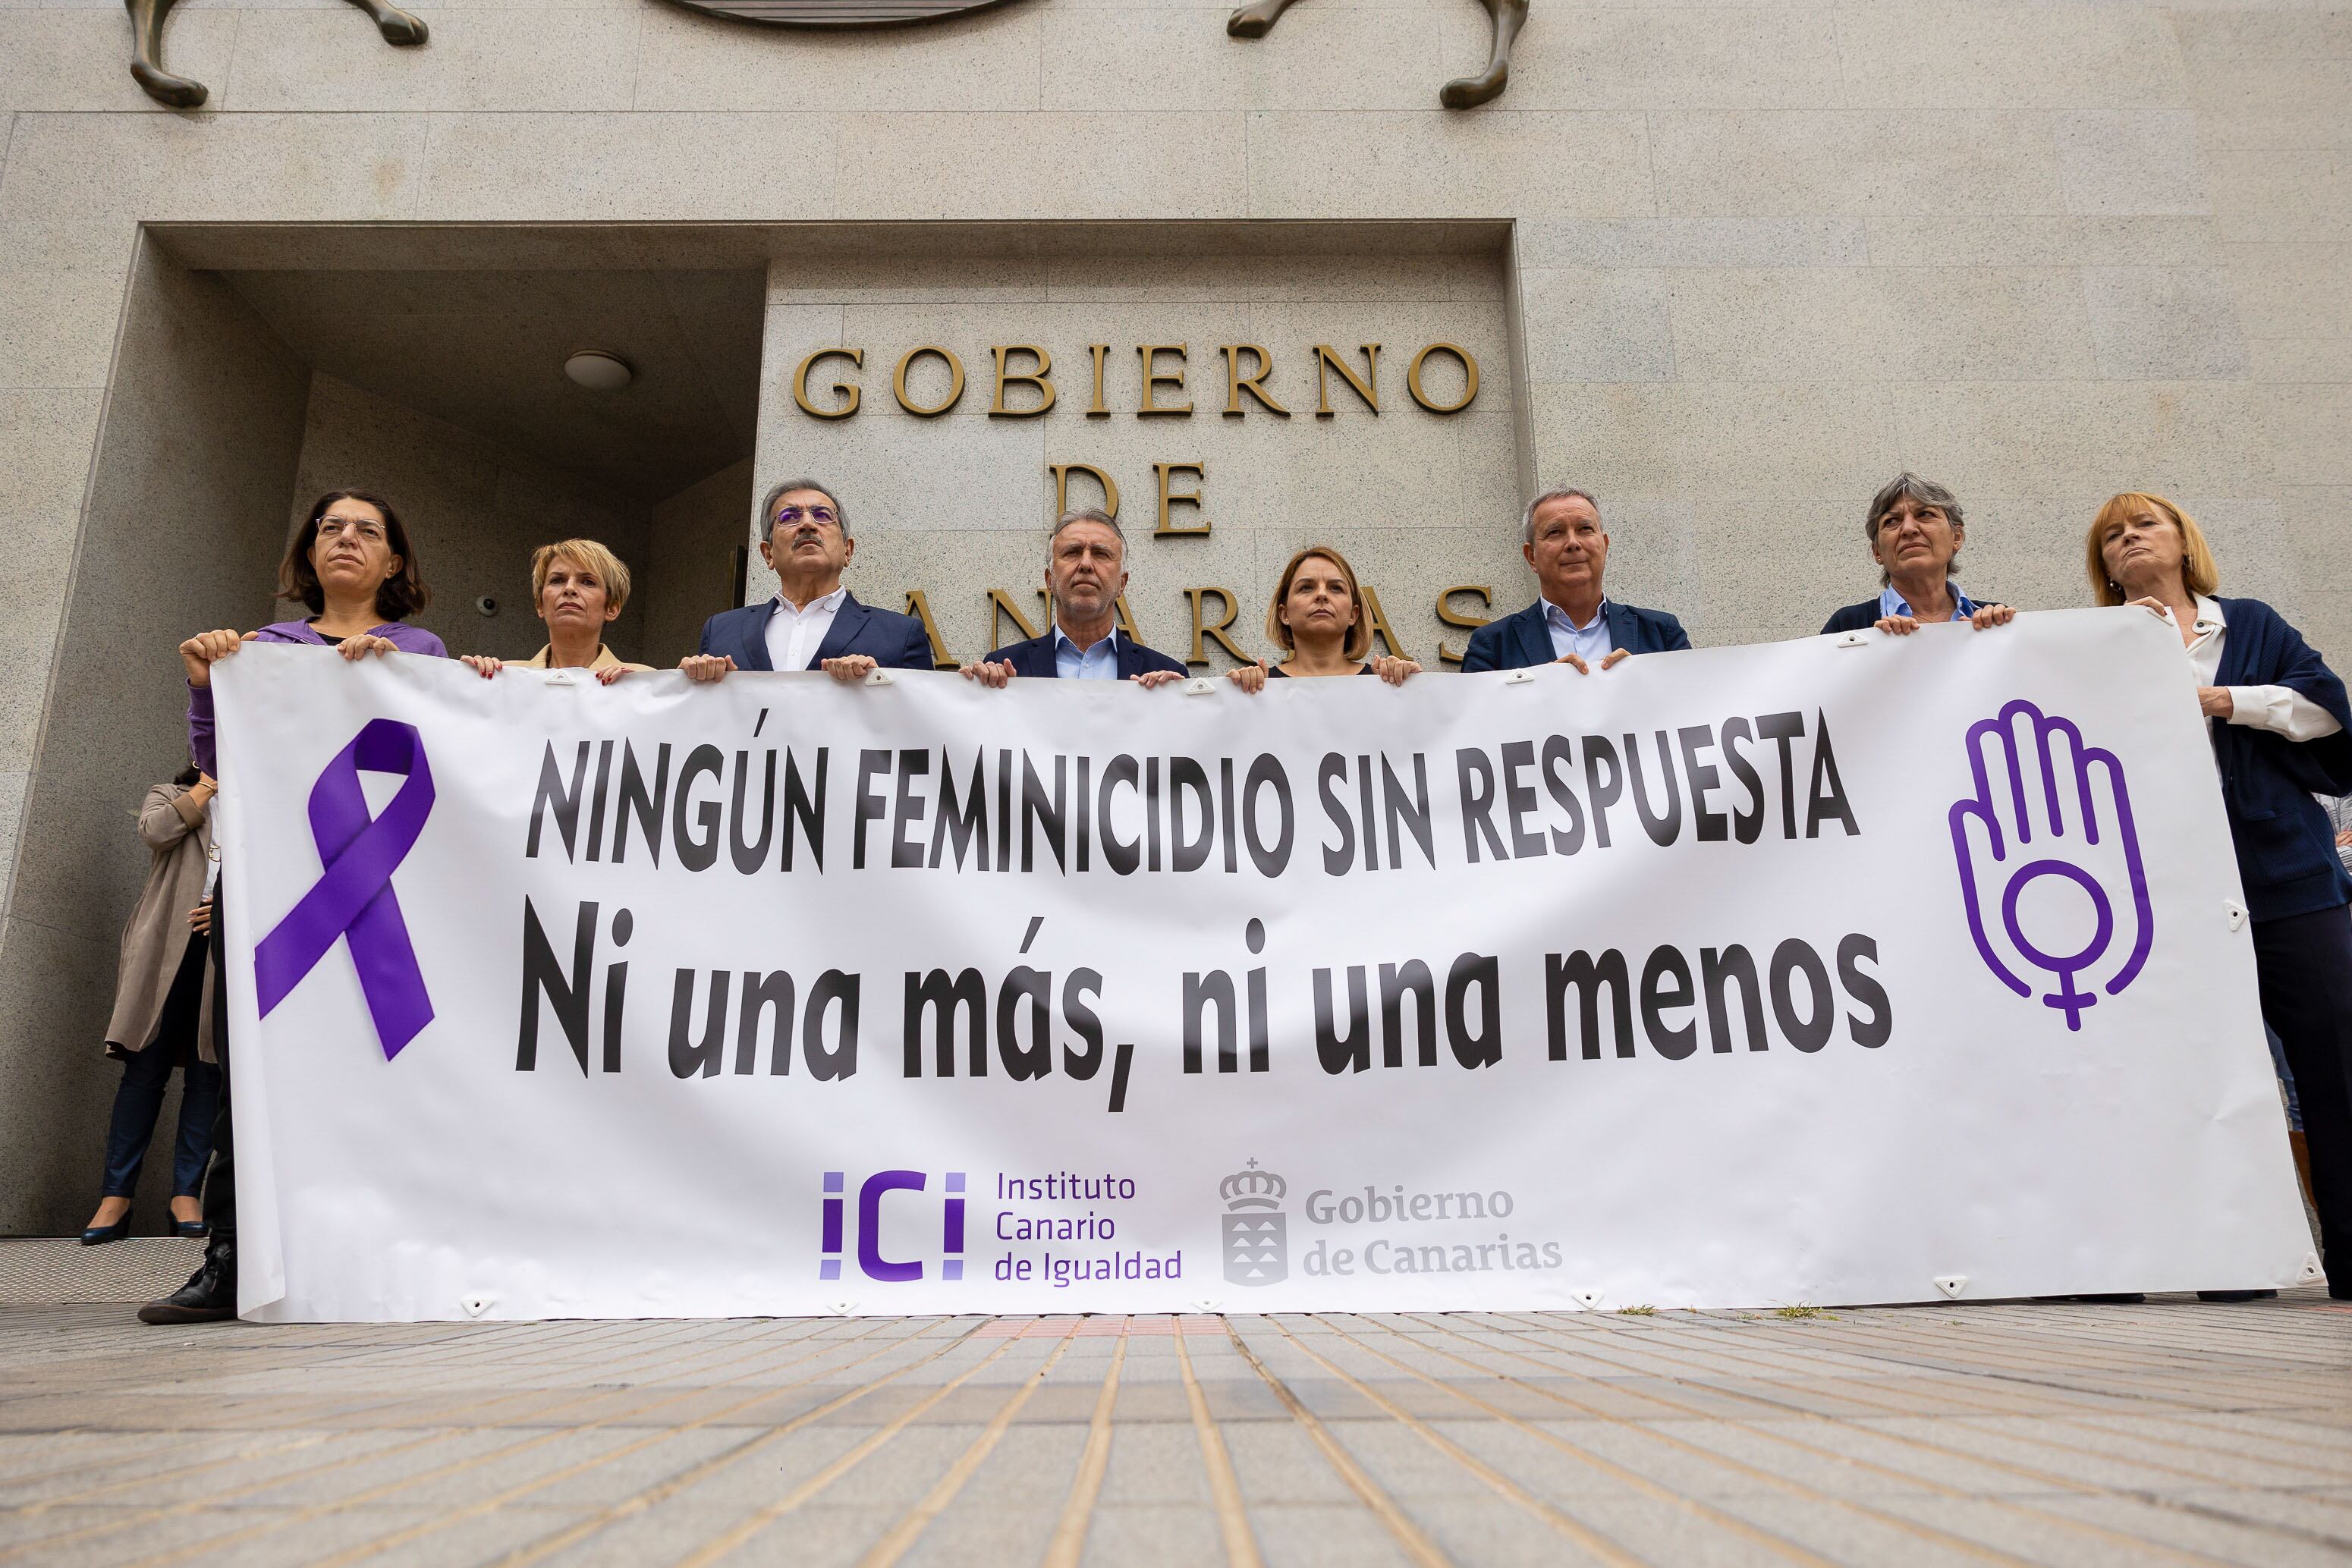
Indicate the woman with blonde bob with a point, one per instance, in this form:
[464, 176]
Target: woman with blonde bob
[1317, 618]
[2281, 729]
[577, 587]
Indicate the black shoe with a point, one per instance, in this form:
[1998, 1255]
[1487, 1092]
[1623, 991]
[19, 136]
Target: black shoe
[192, 1228]
[210, 1294]
[100, 1235]
[2237, 1295]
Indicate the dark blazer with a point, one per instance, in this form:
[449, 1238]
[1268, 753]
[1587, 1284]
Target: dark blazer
[893, 640]
[1036, 657]
[1862, 617]
[1516, 642]
[2286, 847]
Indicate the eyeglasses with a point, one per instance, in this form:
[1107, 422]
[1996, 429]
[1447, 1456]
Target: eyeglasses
[788, 516]
[335, 527]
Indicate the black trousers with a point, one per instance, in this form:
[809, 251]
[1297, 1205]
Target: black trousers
[2304, 965]
[220, 1185]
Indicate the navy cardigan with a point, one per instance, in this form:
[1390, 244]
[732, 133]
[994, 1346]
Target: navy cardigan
[2286, 847]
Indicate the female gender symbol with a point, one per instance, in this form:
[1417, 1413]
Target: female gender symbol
[2066, 998]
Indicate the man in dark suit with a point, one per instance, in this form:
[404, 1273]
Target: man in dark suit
[1572, 621]
[1085, 572]
[813, 623]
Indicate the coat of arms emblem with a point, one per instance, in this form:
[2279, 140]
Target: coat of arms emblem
[1257, 1250]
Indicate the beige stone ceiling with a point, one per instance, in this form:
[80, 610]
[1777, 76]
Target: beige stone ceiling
[484, 350]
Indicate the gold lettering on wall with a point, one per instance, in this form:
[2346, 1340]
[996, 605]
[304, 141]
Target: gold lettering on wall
[1040, 377]
[1154, 377]
[1248, 367]
[1382, 631]
[1005, 604]
[849, 391]
[1061, 472]
[955, 380]
[999, 605]
[1203, 630]
[1238, 383]
[1167, 471]
[920, 608]
[1453, 617]
[1469, 373]
[1327, 359]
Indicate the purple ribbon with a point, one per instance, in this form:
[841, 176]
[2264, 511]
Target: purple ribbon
[353, 897]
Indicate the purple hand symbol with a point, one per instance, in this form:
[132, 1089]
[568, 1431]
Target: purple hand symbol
[2047, 806]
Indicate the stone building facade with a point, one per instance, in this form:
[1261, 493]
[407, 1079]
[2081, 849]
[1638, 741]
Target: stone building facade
[1727, 266]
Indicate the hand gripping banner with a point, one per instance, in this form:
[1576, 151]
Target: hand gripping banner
[353, 901]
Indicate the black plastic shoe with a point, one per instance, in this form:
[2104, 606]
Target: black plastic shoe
[2237, 1295]
[208, 1297]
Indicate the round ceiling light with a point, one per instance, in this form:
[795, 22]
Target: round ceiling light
[599, 371]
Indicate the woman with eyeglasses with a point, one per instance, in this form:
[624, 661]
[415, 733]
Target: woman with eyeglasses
[1317, 618]
[351, 566]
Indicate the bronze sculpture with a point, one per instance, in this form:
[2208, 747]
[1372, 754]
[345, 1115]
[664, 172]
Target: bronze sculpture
[1256, 19]
[180, 92]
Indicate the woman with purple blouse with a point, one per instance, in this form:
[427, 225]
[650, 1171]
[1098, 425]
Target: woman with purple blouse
[351, 565]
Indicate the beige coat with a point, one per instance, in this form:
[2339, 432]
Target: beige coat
[606, 660]
[155, 938]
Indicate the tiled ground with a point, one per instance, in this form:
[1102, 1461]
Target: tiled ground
[2173, 1433]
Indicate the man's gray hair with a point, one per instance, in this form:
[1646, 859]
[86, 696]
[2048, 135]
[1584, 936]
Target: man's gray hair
[1087, 515]
[1919, 492]
[1556, 493]
[778, 492]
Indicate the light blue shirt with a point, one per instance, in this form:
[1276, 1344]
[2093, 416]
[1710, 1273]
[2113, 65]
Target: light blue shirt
[1891, 603]
[1590, 642]
[1099, 663]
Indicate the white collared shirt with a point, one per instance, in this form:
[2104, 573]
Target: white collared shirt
[1589, 641]
[2281, 709]
[796, 632]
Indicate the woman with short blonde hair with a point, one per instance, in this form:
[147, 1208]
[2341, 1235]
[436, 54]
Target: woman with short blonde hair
[577, 587]
[2198, 571]
[2281, 727]
[1319, 617]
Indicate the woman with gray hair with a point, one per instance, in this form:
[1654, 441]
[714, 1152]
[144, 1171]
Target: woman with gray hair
[1915, 533]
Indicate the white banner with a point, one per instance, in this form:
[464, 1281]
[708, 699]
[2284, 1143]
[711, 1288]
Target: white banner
[1837, 970]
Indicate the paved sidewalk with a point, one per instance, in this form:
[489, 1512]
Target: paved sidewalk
[2173, 1433]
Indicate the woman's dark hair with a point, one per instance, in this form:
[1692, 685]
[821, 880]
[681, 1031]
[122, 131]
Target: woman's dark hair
[186, 776]
[404, 593]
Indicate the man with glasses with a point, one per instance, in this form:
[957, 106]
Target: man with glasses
[812, 622]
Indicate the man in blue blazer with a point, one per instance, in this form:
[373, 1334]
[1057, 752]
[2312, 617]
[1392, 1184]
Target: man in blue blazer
[1085, 572]
[813, 623]
[1572, 621]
